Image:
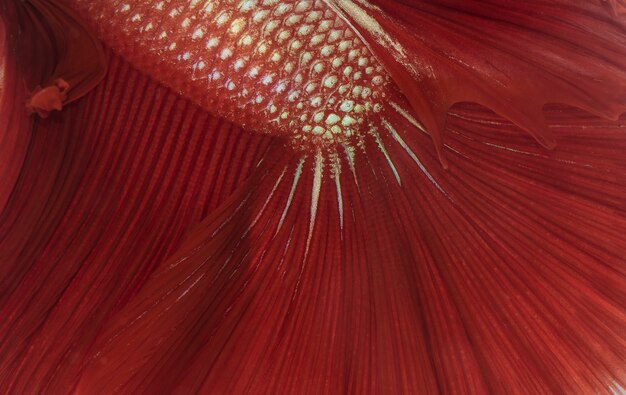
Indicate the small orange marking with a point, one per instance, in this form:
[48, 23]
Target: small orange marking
[44, 100]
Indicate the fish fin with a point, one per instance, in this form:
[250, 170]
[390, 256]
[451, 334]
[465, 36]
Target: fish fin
[511, 58]
[14, 125]
[60, 59]
[617, 7]
[298, 283]
[104, 191]
[374, 269]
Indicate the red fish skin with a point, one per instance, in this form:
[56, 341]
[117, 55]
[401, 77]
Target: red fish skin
[310, 71]
[501, 332]
[322, 273]
[284, 68]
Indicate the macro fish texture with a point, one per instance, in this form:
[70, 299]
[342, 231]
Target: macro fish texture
[289, 68]
[349, 245]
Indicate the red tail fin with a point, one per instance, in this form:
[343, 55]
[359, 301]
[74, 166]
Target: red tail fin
[365, 270]
[376, 271]
[512, 57]
[104, 192]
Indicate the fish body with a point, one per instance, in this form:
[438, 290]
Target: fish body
[291, 68]
[374, 271]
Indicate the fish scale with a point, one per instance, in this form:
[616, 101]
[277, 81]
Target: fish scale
[290, 68]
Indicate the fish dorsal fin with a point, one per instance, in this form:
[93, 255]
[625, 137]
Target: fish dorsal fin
[512, 58]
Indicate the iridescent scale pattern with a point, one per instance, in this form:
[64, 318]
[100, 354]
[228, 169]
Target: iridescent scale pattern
[290, 68]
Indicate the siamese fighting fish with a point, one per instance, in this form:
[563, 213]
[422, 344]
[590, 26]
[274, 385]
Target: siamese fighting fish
[435, 202]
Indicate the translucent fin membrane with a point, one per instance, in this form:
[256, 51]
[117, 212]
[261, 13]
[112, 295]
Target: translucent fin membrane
[105, 191]
[59, 59]
[503, 274]
[147, 248]
[511, 58]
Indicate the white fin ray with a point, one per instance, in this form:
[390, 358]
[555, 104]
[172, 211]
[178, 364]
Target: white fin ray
[336, 171]
[315, 197]
[381, 147]
[296, 179]
[267, 201]
[408, 150]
